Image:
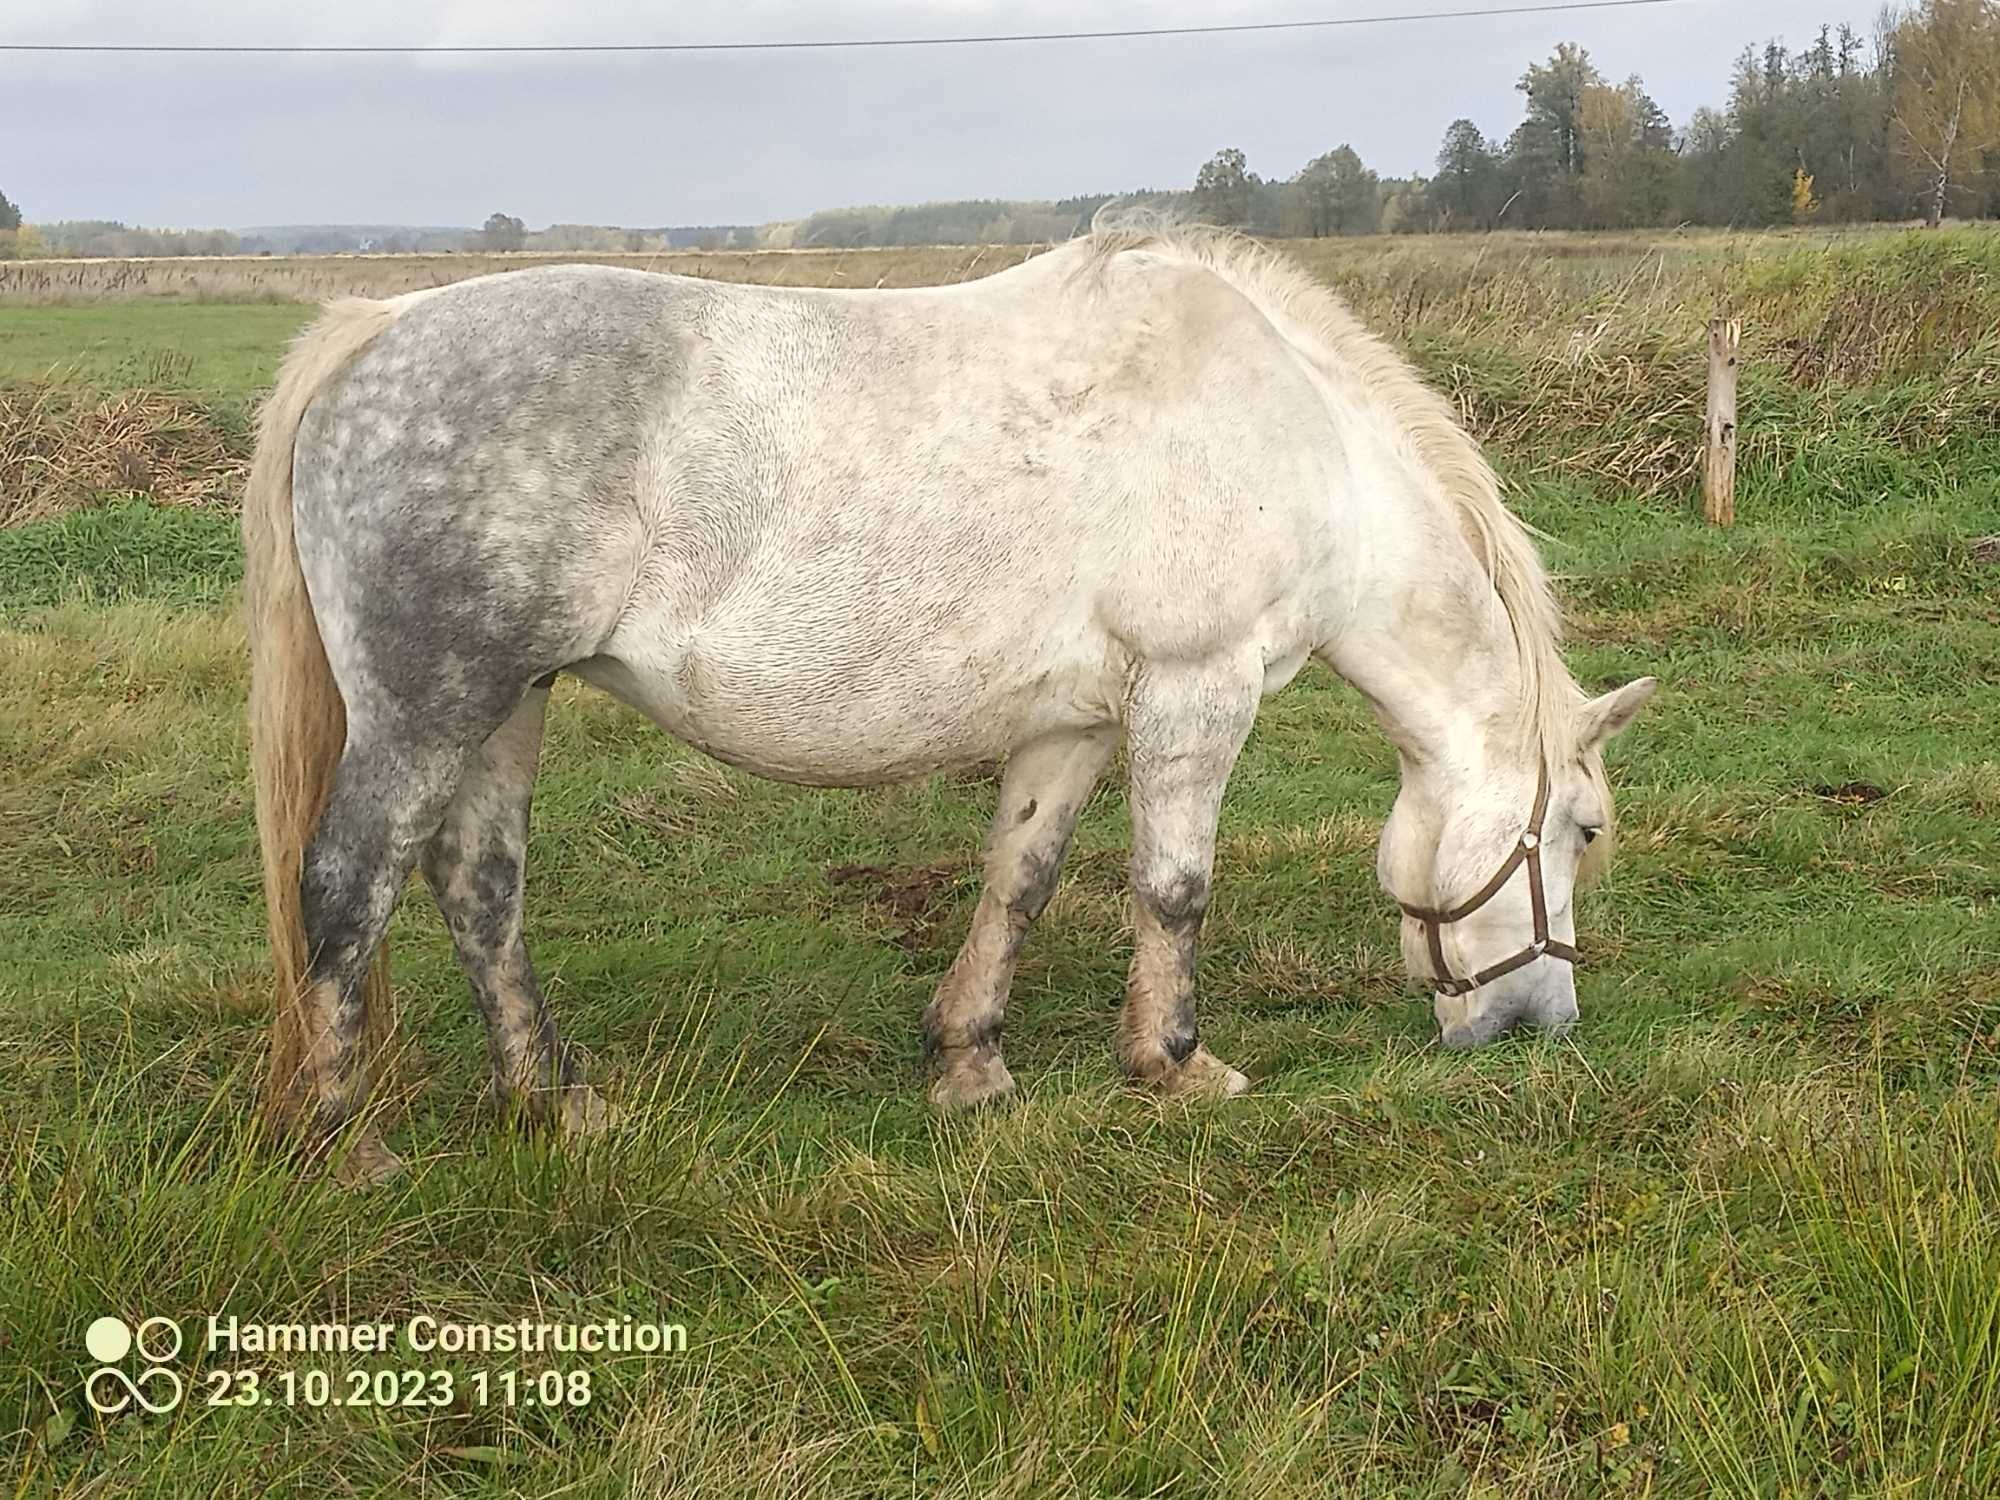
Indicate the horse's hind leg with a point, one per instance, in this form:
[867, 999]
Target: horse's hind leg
[475, 865]
[1041, 793]
[1185, 728]
[387, 798]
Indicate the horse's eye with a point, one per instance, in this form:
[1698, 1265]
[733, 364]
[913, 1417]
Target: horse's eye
[1590, 834]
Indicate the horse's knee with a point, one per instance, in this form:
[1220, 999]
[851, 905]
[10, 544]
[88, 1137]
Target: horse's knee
[339, 903]
[1034, 879]
[1176, 897]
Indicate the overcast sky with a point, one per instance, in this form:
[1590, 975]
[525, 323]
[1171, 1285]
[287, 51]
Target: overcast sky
[201, 141]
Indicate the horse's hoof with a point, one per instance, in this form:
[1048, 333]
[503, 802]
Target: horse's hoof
[584, 1113]
[366, 1162]
[1202, 1075]
[968, 1085]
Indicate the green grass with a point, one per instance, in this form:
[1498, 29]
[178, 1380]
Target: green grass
[218, 351]
[1740, 1235]
[122, 550]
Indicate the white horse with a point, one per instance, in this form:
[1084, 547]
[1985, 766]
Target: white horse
[844, 538]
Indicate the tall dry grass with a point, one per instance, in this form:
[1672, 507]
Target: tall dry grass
[1594, 368]
[61, 444]
[1577, 357]
[318, 278]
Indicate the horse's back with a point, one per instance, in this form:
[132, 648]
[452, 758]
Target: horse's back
[946, 521]
[918, 525]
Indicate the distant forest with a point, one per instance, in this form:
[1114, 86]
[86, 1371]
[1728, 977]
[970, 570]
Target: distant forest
[1901, 123]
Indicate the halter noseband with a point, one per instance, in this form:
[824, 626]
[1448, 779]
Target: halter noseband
[1528, 851]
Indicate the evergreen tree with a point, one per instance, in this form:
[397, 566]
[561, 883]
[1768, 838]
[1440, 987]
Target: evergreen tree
[1465, 192]
[1224, 187]
[1341, 195]
[503, 232]
[1546, 153]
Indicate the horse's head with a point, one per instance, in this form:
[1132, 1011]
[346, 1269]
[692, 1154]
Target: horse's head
[1485, 854]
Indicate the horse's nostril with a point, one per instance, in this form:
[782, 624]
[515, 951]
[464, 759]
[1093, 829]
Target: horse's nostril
[1557, 1016]
[1460, 1038]
[1479, 1031]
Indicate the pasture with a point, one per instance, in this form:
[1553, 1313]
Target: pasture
[1740, 1233]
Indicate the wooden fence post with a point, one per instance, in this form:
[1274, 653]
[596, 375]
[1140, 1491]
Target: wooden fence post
[1718, 466]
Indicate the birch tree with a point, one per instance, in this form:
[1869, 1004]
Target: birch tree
[1947, 92]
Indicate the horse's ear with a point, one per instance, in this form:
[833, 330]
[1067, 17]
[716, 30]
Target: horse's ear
[1601, 718]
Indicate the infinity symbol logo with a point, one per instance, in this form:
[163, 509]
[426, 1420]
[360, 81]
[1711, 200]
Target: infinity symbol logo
[158, 1341]
[134, 1391]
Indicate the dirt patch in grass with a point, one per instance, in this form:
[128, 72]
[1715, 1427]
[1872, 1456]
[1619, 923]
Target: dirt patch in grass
[914, 900]
[1854, 793]
[64, 447]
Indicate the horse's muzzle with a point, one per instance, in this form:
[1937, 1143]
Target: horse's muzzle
[1461, 1026]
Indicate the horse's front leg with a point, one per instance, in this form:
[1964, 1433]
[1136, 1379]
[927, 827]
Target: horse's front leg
[1041, 794]
[1185, 727]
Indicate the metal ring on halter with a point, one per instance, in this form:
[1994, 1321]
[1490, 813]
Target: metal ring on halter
[1529, 852]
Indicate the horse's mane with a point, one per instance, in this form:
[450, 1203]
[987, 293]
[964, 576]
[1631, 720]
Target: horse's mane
[1322, 329]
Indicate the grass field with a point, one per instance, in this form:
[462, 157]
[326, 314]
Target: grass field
[1740, 1234]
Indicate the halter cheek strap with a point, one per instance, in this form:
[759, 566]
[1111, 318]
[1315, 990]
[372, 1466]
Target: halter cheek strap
[1529, 852]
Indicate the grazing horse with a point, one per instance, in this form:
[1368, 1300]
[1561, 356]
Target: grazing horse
[1125, 489]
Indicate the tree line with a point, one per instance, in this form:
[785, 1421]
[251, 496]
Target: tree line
[1899, 124]
[1902, 122]
[103, 237]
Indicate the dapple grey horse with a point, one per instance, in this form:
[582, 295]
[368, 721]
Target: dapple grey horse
[1124, 490]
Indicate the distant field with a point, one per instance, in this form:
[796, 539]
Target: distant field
[1740, 1235]
[314, 278]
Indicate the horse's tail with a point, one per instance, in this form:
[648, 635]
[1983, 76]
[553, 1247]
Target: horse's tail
[298, 723]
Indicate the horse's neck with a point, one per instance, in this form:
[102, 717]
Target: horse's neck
[1426, 639]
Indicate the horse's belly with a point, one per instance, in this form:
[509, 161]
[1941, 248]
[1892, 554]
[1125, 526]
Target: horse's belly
[819, 721]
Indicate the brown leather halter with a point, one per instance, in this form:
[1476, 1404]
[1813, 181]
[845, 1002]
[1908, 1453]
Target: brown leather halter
[1529, 852]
